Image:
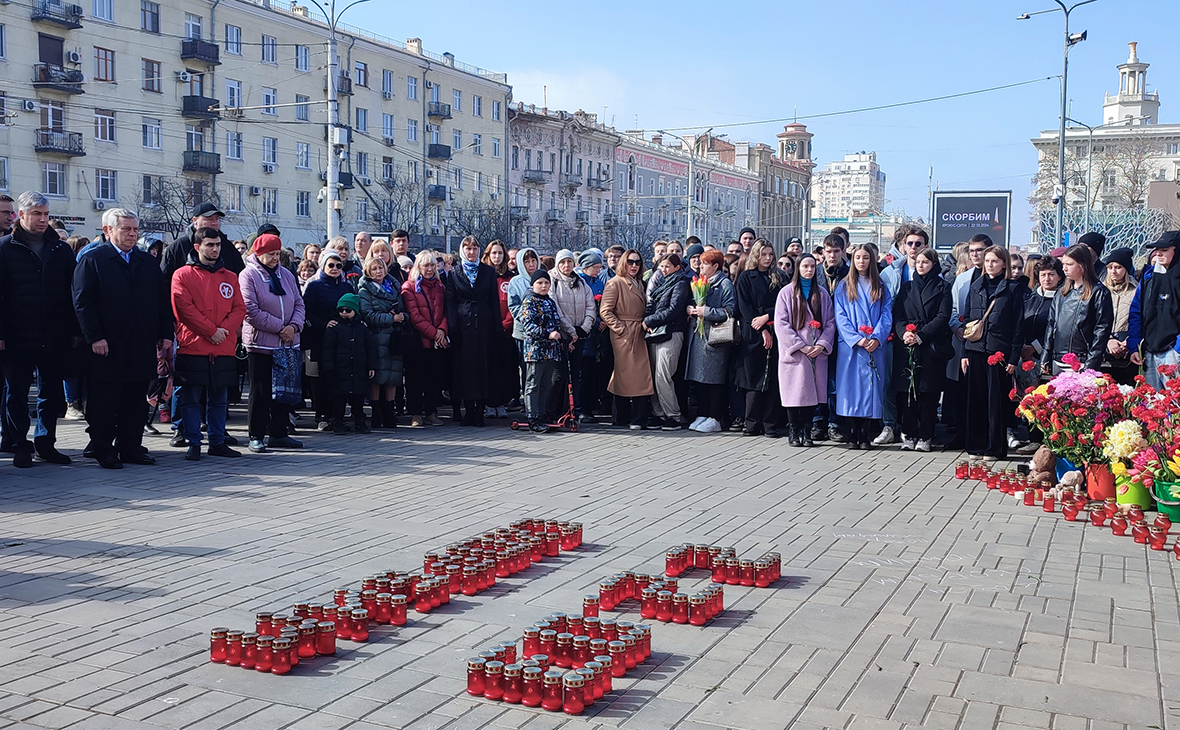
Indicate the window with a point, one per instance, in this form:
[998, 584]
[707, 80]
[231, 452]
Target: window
[104, 64]
[477, 144]
[106, 184]
[434, 92]
[151, 75]
[233, 92]
[457, 100]
[387, 83]
[457, 139]
[387, 126]
[270, 97]
[103, 10]
[361, 74]
[270, 201]
[194, 138]
[233, 145]
[302, 155]
[479, 182]
[270, 150]
[303, 204]
[411, 87]
[497, 190]
[515, 157]
[528, 160]
[432, 132]
[3, 42]
[496, 147]
[196, 84]
[192, 27]
[387, 168]
[149, 16]
[233, 198]
[1173, 147]
[104, 125]
[302, 58]
[3, 173]
[149, 190]
[495, 111]
[362, 164]
[1109, 181]
[233, 40]
[458, 178]
[477, 106]
[362, 210]
[53, 178]
[269, 46]
[362, 119]
[411, 130]
[151, 133]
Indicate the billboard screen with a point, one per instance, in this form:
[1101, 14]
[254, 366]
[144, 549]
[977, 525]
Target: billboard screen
[959, 215]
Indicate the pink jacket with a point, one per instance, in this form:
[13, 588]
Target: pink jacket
[267, 313]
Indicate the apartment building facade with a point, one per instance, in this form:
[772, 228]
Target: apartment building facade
[158, 105]
[852, 186]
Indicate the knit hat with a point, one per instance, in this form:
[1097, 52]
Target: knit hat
[267, 243]
[562, 255]
[589, 258]
[1122, 257]
[744, 231]
[1094, 240]
[694, 250]
[268, 228]
[349, 301]
[539, 274]
[1168, 240]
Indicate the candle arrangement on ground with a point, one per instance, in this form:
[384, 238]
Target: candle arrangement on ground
[566, 662]
[469, 567]
[660, 600]
[725, 565]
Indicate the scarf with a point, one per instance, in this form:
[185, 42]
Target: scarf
[387, 285]
[665, 285]
[471, 269]
[805, 287]
[276, 283]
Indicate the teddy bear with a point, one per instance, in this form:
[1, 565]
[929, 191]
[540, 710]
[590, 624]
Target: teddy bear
[1044, 467]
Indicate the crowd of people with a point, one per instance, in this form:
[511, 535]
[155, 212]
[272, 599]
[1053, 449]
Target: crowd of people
[846, 343]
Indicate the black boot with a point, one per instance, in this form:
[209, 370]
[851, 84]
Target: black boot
[388, 414]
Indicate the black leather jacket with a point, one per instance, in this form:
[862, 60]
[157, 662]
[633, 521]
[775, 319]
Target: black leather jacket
[1080, 326]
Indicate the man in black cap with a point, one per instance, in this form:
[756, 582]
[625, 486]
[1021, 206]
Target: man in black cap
[746, 237]
[204, 215]
[1097, 242]
[1154, 337]
[794, 247]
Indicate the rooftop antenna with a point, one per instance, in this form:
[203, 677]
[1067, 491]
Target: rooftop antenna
[545, 95]
[796, 113]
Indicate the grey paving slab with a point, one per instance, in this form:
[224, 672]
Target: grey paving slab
[911, 599]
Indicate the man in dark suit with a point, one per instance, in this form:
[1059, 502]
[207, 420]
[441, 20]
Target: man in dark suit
[122, 301]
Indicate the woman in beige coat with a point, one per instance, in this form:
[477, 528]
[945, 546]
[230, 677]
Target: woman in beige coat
[622, 309]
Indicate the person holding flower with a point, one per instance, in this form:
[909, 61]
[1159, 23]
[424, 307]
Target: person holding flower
[995, 305]
[864, 318]
[665, 323]
[922, 347]
[715, 302]
[757, 288]
[1081, 316]
[805, 325]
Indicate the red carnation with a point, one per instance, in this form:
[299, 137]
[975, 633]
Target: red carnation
[1027, 365]
[995, 358]
[598, 297]
[815, 324]
[1168, 371]
[1072, 361]
[1012, 394]
[865, 330]
[911, 327]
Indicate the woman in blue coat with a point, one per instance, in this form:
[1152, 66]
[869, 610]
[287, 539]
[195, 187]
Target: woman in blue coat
[864, 317]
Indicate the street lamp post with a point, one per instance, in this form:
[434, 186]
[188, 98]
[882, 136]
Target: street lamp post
[335, 142]
[692, 154]
[1070, 40]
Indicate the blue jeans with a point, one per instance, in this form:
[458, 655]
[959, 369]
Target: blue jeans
[75, 389]
[216, 404]
[1152, 360]
[19, 369]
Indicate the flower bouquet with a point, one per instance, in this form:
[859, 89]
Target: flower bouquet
[866, 330]
[700, 288]
[1153, 459]
[815, 326]
[914, 365]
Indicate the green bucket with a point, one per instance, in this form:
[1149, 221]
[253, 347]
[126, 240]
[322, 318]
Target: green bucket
[1163, 497]
[1129, 492]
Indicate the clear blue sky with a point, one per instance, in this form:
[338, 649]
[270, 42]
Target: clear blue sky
[701, 64]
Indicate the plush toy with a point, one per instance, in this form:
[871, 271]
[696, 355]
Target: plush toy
[1044, 467]
[1074, 479]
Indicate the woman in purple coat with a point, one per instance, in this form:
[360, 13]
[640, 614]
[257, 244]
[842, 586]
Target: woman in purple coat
[806, 331]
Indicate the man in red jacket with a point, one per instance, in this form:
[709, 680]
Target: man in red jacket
[207, 302]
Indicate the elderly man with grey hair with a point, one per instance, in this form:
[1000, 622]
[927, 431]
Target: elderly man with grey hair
[122, 300]
[37, 328]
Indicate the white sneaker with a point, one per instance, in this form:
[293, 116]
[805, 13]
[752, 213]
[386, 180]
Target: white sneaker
[73, 413]
[710, 425]
[696, 425]
[1014, 443]
[907, 444]
[885, 437]
[923, 445]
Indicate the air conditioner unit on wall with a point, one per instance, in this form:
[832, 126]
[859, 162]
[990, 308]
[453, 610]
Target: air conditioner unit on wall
[255, 190]
[268, 168]
[184, 77]
[73, 57]
[100, 205]
[28, 105]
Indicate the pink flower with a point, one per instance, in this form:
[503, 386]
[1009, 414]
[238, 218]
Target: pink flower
[1072, 361]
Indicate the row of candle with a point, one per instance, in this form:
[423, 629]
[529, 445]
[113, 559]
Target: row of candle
[1155, 535]
[724, 564]
[589, 664]
[279, 653]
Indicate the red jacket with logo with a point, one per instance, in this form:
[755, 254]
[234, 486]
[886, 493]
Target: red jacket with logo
[203, 300]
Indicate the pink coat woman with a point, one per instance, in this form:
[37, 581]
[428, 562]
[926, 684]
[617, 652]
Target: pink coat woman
[803, 381]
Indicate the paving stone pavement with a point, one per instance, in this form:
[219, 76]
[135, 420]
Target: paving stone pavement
[909, 599]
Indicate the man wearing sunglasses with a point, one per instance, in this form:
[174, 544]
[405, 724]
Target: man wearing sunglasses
[912, 241]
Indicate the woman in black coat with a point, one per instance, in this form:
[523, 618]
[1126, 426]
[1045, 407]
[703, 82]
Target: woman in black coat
[990, 361]
[921, 313]
[473, 314]
[666, 321]
[757, 354]
[319, 300]
[1081, 317]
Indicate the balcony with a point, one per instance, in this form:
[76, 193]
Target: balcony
[519, 213]
[438, 151]
[582, 218]
[436, 192]
[58, 141]
[52, 76]
[554, 216]
[206, 162]
[609, 220]
[61, 14]
[571, 180]
[598, 183]
[536, 177]
[199, 107]
[343, 84]
[438, 110]
[199, 50]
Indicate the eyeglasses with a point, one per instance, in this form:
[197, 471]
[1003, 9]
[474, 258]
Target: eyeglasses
[634, 262]
[346, 310]
[333, 266]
